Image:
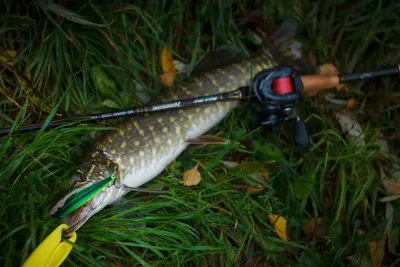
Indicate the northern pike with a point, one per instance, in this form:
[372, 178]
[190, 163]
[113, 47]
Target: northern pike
[142, 146]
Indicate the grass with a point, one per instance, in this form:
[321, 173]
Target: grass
[66, 67]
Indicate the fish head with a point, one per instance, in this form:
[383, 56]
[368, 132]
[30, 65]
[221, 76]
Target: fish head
[93, 171]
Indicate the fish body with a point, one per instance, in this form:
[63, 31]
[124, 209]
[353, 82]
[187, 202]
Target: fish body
[143, 146]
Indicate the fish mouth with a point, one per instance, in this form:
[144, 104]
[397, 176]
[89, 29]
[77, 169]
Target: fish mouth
[77, 218]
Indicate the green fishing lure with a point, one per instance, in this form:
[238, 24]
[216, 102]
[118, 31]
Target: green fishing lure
[79, 198]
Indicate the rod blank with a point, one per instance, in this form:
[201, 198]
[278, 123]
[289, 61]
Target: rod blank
[230, 96]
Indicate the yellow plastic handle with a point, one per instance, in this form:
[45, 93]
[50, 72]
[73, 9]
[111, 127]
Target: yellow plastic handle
[51, 252]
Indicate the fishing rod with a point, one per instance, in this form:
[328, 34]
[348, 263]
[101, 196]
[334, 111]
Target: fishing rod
[276, 90]
[230, 96]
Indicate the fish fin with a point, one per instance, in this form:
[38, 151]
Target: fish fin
[207, 140]
[196, 146]
[221, 56]
[283, 48]
[144, 189]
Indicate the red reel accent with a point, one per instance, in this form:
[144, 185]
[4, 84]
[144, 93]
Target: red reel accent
[281, 86]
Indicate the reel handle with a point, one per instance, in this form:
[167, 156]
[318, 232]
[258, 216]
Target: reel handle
[300, 133]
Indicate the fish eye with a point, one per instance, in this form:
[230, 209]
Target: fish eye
[79, 177]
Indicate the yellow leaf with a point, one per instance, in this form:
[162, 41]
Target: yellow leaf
[377, 251]
[192, 177]
[279, 225]
[168, 67]
[5, 55]
[167, 61]
[167, 78]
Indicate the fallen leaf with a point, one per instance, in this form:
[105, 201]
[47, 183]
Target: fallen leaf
[392, 186]
[168, 67]
[254, 169]
[279, 224]
[192, 177]
[377, 251]
[328, 68]
[350, 126]
[309, 228]
[167, 78]
[230, 164]
[255, 189]
[265, 175]
[167, 61]
[350, 103]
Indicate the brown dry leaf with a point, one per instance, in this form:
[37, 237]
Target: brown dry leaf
[377, 251]
[192, 177]
[279, 224]
[255, 188]
[350, 103]
[309, 228]
[392, 186]
[328, 68]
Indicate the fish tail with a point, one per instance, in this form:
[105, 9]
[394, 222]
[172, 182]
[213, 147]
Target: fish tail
[284, 49]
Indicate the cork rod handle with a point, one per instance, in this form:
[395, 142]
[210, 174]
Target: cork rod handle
[316, 83]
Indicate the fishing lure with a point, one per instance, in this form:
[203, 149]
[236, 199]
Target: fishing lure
[80, 197]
